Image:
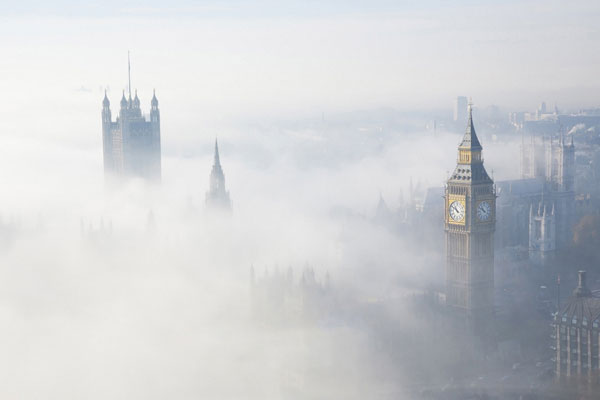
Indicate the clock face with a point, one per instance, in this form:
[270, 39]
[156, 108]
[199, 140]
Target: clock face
[484, 211]
[457, 211]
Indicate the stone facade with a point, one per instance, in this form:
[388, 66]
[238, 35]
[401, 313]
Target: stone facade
[131, 143]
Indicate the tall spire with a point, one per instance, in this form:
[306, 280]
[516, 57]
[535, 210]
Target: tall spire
[470, 140]
[217, 160]
[129, 73]
[217, 195]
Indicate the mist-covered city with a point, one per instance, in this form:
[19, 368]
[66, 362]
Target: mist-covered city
[300, 200]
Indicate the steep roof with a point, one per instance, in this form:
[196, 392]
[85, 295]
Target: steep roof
[470, 140]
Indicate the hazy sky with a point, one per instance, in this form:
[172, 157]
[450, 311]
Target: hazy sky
[212, 61]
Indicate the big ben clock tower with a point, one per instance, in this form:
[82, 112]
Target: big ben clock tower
[470, 219]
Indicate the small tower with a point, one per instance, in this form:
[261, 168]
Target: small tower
[107, 141]
[217, 196]
[542, 233]
[136, 101]
[123, 103]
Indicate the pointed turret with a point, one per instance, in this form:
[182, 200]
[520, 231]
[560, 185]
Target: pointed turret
[136, 100]
[123, 101]
[105, 102]
[154, 102]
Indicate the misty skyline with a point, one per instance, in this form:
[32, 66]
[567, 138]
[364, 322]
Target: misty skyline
[335, 144]
[250, 60]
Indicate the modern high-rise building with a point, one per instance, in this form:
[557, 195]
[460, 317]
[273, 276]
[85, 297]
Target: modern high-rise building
[460, 109]
[131, 143]
[217, 197]
[470, 219]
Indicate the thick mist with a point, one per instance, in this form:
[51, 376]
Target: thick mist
[134, 290]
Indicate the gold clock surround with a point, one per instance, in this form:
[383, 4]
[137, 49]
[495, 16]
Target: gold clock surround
[451, 199]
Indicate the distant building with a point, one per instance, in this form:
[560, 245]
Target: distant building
[383, 215]
[545, 121]
[537, 212]
[278, 296]
[515, 199]
[131, 144]
[542, 233]
[217, 196]
[576, 331]
[460, 109]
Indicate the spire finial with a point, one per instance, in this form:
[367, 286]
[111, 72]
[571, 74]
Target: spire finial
[129, 73]
[470, 108]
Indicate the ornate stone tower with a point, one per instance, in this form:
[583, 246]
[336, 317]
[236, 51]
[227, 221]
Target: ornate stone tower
[217, 196]
[470, 219]
[131, 144]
